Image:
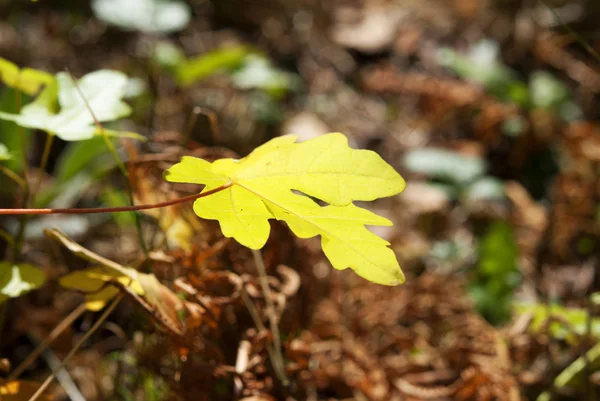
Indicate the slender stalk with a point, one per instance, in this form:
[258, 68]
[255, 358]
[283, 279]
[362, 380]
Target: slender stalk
[21, 133]
[13, 176]
[66, 322]
[93, 210]
[79, 343]
[264, 283]
[62, 375]
[120, 164]
[7, 237]
[30, 195]
[259, 324]
[44, 161]
[17, 241]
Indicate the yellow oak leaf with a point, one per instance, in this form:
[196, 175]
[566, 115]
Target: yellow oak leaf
[265, 185]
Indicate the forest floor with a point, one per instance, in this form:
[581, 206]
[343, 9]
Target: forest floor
[489, 110]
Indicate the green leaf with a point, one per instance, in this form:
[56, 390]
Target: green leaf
[15, 139]
[498, 251]
[577, 320]
[103, 91]
[258, 73]
[546, 91]
[168, 55]
[143, 15]
[27, 80]
[481, 64]
[261, 188]
[16, 280]
[112, 197]
[225, 59]
[497, 273]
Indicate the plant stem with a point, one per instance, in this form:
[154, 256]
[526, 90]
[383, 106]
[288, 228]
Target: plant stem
[30, 195]
[264, 283]
[79, 343]
[124, 172]
[43, 162]
[7, 237]
[13, 176]
[120, 164]
[66, 322]
[134, 208]
[17, 241]
[258, 323]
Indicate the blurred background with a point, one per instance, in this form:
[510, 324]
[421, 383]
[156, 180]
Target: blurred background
[488, 108]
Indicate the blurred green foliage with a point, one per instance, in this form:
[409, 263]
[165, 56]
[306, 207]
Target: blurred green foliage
[482, 65]
[496, 275]
[461, 177]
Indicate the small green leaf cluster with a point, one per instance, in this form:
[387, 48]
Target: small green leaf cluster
[63, 107]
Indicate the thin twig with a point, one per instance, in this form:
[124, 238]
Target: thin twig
[257, 321]
[92, 210]
[16, 244]
[44, 161]
[7, 237]
[62, 375]
[79, 343]
[253, 310]
[66, 322]
[264, 283]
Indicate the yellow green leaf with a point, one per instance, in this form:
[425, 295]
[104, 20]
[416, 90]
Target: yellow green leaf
[100, 91]
[26, 80]
[261, 187]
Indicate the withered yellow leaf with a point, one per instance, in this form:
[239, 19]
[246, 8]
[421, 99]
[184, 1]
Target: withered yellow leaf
[95, 282]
